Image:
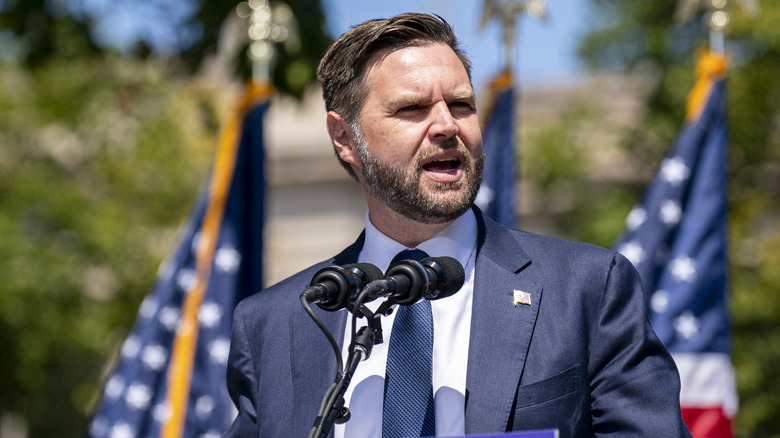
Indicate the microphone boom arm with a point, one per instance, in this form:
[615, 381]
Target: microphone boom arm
[332, 410]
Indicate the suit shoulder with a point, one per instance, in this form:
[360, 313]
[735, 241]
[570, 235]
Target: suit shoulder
[282, 293]
[568, 255]
[537, 244]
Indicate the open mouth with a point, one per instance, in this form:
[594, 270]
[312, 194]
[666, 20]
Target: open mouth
[449, 164]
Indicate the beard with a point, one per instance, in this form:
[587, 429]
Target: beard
[402, 191]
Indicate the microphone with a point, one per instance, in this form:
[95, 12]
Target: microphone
[432, 278]
[333, 287]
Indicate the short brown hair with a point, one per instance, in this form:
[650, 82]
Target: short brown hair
[342, 70]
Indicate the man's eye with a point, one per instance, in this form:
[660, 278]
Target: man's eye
[462, 106]
[408, 109]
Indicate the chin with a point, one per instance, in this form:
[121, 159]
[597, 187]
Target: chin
[437, 210]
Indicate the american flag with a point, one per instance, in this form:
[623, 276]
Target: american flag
[677, 239]
[169, 380]
[496, 196]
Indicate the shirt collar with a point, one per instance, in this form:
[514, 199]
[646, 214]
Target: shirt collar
[458, 240]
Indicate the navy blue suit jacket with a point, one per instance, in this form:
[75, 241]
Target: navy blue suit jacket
[581, 358]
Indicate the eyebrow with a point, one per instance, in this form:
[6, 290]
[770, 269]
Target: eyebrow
[461, 94]
[415, 99]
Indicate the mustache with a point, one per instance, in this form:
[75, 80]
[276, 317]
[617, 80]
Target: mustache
[449, 143]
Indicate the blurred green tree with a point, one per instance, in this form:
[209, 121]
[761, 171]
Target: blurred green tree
[100, 163]
[103, 148]
[642, 36]
[36, 31]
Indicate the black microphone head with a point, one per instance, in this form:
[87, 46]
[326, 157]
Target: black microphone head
[344, 282]
[366, 271]
[450, 276]
[336, 283]
[410, 281]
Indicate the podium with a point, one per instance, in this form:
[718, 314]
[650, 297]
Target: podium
[546, 433]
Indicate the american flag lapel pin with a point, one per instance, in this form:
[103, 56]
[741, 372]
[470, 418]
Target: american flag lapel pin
[521, 297]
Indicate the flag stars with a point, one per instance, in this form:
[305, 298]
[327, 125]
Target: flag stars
[131, 347]
[674, 171]
[178, 311]
[148, 307]
[227, 259]
[219, 350]
[186, 279]
[155, 356]
[659, 302]
[204, 406]
[138, 396]
[636, 218]
[485, 196]
[99, 427]
[683, 269]
[161, 412]
[687, 325]
[122, 430]
[114, 387]
[210, 314]
[670, 212]
[169, 318]
[633, 251]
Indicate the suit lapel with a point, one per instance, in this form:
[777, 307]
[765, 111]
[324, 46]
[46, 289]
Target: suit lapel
[313, 364]
[500, 330]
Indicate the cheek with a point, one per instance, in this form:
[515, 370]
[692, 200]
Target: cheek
[471, 135]
[394, 143]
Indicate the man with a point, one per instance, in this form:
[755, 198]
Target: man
[544, 333]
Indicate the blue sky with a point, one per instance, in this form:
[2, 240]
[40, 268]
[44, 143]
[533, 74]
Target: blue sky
[545, 53]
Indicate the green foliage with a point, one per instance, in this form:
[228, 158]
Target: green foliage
[36, 31]
[101, 158]
[575, 185]
[101, 162]
[641, 35]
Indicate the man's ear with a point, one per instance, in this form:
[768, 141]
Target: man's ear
[341, 136]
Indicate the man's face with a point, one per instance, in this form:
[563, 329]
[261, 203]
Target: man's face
[418, 136]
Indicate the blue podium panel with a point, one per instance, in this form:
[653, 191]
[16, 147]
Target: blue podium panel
[546, 433]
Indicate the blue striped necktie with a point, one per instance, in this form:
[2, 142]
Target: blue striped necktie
[408, 404]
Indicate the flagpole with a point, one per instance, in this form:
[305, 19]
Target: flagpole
[507, 13]
[267, 25]
[264, 29]
[718, 21]
[496, 196]
[717, 16]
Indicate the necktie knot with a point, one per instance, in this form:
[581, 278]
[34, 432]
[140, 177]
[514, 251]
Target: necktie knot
[410, 254]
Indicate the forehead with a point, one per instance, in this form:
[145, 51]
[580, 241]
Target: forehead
[416, 69]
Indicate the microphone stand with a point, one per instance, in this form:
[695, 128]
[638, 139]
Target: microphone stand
[332, 410]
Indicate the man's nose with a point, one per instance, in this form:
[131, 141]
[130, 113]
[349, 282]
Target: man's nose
[443, 123]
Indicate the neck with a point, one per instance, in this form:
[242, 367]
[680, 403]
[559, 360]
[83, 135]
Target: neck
[400, 228]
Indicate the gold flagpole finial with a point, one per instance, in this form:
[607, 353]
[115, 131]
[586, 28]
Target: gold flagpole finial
[506, 12]
[717, 15]
[267, 25]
